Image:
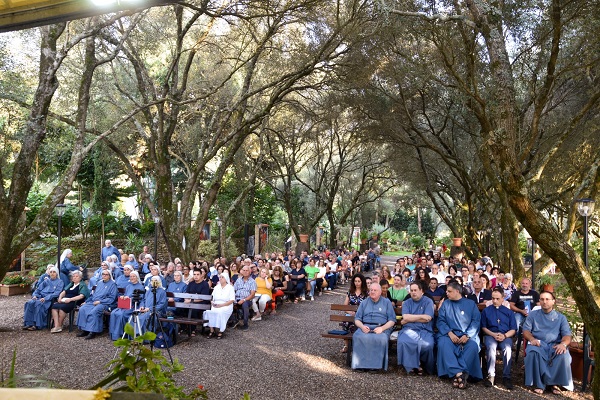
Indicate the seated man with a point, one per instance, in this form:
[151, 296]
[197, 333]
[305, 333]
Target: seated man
[374, 320]
[434, 290]
[245, 289]
[415, 340]
[480, 294]
[523, 301]
[499, 326]
[548, 362]
[458, 337]
[104, 297]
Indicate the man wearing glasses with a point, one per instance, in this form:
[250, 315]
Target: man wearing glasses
[245, 289]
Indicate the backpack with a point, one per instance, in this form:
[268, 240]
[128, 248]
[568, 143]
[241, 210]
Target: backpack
[164, 341]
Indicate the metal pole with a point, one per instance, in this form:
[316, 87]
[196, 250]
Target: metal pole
[156, 222]
[585, 241]
[58, 247]
[532, 263]
[219, 241]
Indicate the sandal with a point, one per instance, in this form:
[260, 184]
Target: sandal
[419, 371]
[538, 391]
[556, 390]
[462, 384]
[210, 335]
[296, 301]
[345, 349]
[455, 382]
[219, 336]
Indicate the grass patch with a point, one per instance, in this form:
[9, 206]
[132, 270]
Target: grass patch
[398, 253]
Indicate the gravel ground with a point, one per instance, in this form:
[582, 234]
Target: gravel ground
[281, 357]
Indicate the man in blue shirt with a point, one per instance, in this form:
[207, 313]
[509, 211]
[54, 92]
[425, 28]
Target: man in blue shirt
[245, 288]
[109, 250]
[499, 325]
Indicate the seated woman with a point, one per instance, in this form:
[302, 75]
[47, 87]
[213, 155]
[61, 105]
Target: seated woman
[177, 286]
[97, 277]
[280, 282]
[386, 274]
[154, 271]
[132, 261]
[120, 316]
[72, 296]
[264, 285]
[148, 304]
[214, 279]
[298, 279]
[357, 293]
[123, 280]
[104, 297]
[36, 309]
[375, 320]
[223, 297]
[397, 292]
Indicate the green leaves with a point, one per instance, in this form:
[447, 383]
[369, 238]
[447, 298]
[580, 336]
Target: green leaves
[139, 369]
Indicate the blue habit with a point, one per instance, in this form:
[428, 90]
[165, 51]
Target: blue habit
[416, 340]
[36, 312]
[542, 365]
[161, 308]
[461, 317]
[120, 316]
[370, 350]
[90, 316]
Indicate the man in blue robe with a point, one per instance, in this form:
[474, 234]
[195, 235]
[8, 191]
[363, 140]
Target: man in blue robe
[374, 320]
[499, 325]
[36, 310]
[108, 250]
[548, 361]
[458, 337]
[104, 297]
[415, 340]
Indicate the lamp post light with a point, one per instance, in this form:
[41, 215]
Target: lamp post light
[585, 208]
[60, 211]
[219, 224]
[156, 223]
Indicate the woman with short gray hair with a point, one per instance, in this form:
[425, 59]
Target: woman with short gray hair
[72, 296]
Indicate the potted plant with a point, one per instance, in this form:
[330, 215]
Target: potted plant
[456, 242]
[385, 236]
[16, 284]
[363, 237]
[546, 282]
[303, 238]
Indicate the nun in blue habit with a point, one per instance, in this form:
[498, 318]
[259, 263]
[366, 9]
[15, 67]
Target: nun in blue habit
[36, 310]
[416, 340]
[177, 286]
[548, 361]
[458, 338]
[104, 297]
[120, 316]
[375, 320]
[148, 304]
[123, 280]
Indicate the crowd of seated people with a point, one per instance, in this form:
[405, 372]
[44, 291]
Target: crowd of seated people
[444, 326]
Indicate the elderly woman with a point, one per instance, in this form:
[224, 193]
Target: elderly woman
[120, 316]
[123, 280]
[508, 286]
[72, 296]
[177, 286]
[104, 297]
[223, 297]
[36, 309]
[97, 277]
[264, 289]
[154, 271]
[132, 261]
[149, 304]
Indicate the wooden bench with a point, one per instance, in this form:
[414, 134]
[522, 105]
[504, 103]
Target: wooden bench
[198, 302]
[341, 318]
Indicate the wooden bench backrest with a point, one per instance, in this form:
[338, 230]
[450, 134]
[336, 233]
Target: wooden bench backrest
[191, 306]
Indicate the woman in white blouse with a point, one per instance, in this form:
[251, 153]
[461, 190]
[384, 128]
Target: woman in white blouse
[223, 297]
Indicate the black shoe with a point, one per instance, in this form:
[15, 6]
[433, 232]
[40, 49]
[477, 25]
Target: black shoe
[91, 336]
[82, 334]
[489, 381]
[507, 383]
[245, 328]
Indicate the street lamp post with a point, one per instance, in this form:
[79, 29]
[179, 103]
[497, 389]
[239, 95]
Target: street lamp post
[60, 211]
[156, 223]
[219, 224]
[585, 208]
